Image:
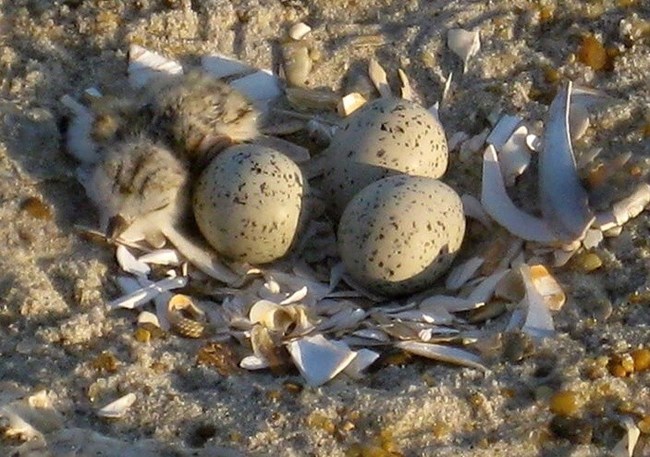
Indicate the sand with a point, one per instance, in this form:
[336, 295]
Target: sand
[54, 283]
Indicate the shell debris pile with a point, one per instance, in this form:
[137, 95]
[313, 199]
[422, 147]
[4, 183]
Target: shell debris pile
[325, 262]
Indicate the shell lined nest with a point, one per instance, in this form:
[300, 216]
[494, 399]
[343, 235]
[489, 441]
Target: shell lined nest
[306, 311]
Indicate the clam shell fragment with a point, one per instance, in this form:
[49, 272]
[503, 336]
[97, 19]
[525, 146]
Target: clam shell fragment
[464, 44]
[117, 408]
[565, 204]
[319, 359]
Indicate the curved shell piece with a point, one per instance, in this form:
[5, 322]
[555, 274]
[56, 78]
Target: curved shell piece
[500, 207]
[565, 203]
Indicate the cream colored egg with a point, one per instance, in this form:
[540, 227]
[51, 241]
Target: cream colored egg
[385, 137]
[248, 201]
[401, 233]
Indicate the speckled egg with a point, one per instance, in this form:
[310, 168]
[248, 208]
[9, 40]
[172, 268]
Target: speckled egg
[385, 137]
[400, 233]
[248, 201]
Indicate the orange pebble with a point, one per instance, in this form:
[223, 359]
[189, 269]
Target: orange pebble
[593, 53]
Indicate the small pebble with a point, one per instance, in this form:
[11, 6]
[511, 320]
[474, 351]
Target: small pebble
[641, 358]
[564, 403]
[36, 208]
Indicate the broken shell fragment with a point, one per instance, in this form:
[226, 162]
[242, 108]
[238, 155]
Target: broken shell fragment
[464, 44]
[129, 263]
[117, 408]
[539, 322]
[565, 204]
[296, 62]
[299, 30]
[221, 66]
[147, 293]
[191, 327]
[442, 353]
[145, 65]
[350, 103]
[378, 77]
[500, 207]
[319, 359]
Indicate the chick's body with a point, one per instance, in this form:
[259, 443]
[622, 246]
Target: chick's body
[196, 112]
[139, 188]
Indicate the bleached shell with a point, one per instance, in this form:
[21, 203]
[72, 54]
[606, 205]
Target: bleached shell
[129, 263]
[253, 362]
[350, 103]
[319, 359]
[463, 272]
[221, 66]
[625, 447]
[484, 291]
[296, 63]
[446, 92]
[503, 131]
[578, 121]
[456, 140]
[271, 315]
[514, 156]
[547, 286]
[472, 208]
[161, 257]
[146, 317]
[201, 257]
[443, 353]
[564, 202]
[449, 303]
[429, 316]
[539, 322]
[261, 86]
[147, 293]
[144, 65]
[624, 209]
[464, 44]
[500, 207]
[378, 77]
[117, 408]
[473, 145]
[299, 30]
[406, 91]
[345, 319]
[364, 358]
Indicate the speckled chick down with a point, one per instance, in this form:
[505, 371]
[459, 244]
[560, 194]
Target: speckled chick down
[194, 111]
[401, 233]
[141, 182]
[248, 202]
[385, 137]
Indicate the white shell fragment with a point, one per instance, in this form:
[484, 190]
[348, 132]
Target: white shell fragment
[564, 201]
[407, 90]
[514, 156]
[464, 44]
[168, 257]
[221, 66]
[443, 353]
[261, 86]
[547, 286]
[498, 204]
[472, 208]
[79, 142]
[144, 65]
[129, 263]
[503, 130]
[625, 447]
[299, 30]
[147, 293]
[350, 103]
[117, 408]
[625, 209]
[463, 272]
[378, 77]
[539, 322]
[363, 359]
[319, 359]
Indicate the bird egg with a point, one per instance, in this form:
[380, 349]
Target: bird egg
[399, 234]
[385, 137]
[248, 201]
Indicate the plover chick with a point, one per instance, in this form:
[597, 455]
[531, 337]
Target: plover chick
[139, 188]
[197, 113]
[94, 128]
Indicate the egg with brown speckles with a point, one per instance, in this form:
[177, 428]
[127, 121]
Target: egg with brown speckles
[399, 234]
[385, 137]
[248, 202]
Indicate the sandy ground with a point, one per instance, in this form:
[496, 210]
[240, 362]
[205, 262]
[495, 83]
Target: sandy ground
[54, 284]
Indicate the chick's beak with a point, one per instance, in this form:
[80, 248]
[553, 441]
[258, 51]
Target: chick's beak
[116, 226]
